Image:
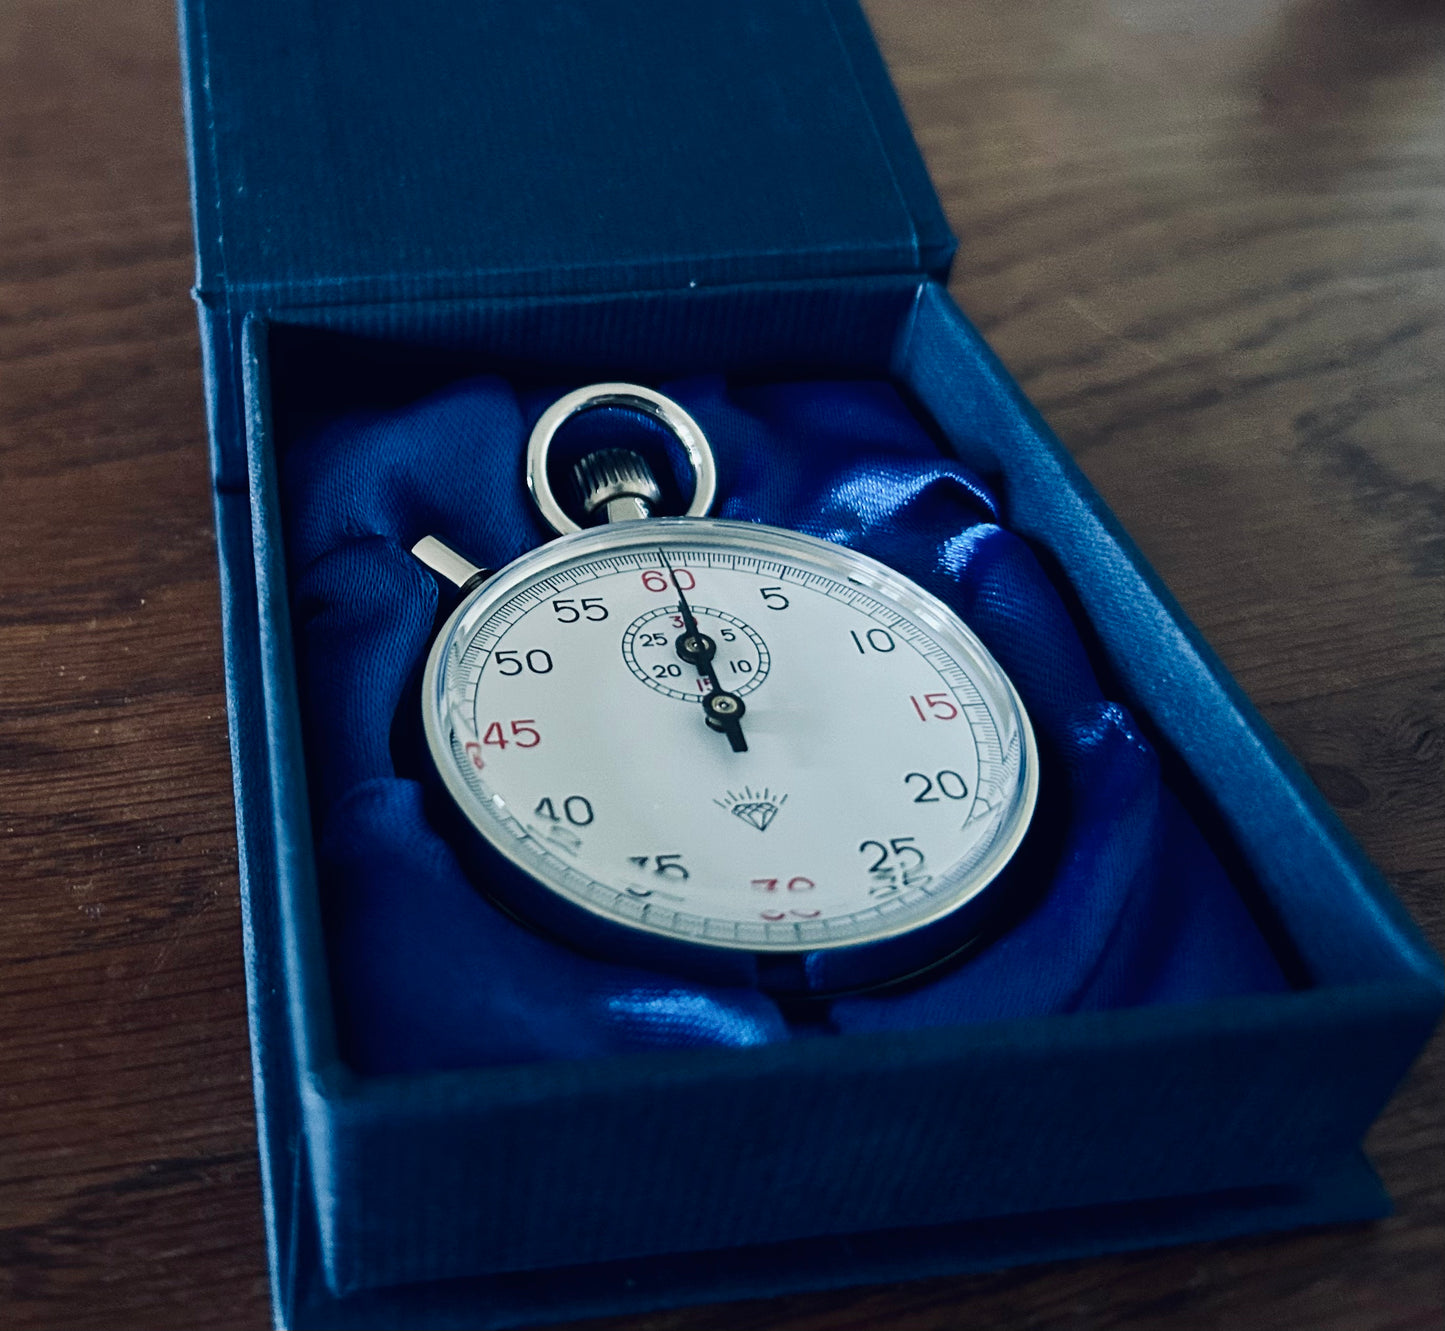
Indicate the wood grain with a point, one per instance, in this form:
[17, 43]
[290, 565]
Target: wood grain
[1210, 240]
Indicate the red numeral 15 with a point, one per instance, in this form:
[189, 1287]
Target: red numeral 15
[940, 707]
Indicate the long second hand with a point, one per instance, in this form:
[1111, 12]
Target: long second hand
[722, 710]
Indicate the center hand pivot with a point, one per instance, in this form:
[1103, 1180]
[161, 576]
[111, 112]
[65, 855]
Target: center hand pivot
[723, 711]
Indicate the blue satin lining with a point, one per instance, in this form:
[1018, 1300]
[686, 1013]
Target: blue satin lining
[1133, 907]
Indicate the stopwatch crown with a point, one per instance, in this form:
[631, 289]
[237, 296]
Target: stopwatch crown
[618, 479]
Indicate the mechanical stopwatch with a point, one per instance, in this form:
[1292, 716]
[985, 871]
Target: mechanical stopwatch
[720, 747]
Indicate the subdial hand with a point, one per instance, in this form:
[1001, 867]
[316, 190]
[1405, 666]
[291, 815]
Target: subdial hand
[722, 710]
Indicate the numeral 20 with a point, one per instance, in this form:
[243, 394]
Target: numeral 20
[949, 783]
[524, 734]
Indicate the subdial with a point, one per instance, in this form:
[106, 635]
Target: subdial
[741, 657]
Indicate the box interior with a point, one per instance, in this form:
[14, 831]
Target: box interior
[385, 1156]
[802, 442]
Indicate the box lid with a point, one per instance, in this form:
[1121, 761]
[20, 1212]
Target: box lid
[368, 150]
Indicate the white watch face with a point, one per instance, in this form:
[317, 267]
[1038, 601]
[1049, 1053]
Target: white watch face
[881, 772]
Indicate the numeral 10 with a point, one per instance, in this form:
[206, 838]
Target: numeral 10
[877, 640]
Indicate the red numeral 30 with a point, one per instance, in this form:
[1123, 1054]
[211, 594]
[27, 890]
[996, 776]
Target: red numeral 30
[798, 884]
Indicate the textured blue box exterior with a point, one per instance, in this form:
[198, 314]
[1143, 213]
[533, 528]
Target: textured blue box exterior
[656, 189]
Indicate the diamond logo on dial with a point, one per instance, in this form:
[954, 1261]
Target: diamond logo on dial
[756, 809]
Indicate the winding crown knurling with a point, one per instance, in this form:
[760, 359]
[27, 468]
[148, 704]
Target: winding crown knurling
[614, 473]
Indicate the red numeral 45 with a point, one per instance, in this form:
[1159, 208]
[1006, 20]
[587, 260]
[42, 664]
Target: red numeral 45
[524, 734]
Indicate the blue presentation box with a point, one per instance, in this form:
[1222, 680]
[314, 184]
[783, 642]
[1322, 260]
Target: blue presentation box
[644, 189]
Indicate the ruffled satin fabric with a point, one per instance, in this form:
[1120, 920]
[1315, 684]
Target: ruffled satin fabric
[1128, 904]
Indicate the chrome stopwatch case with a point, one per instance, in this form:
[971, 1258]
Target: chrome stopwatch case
[722, 747]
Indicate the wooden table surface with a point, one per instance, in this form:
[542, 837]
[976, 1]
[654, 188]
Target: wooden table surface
[1210, 241]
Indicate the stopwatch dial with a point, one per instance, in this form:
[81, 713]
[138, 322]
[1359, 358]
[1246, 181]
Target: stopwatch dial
[889, 770]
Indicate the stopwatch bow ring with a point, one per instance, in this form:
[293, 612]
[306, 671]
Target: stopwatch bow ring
[617, 478]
